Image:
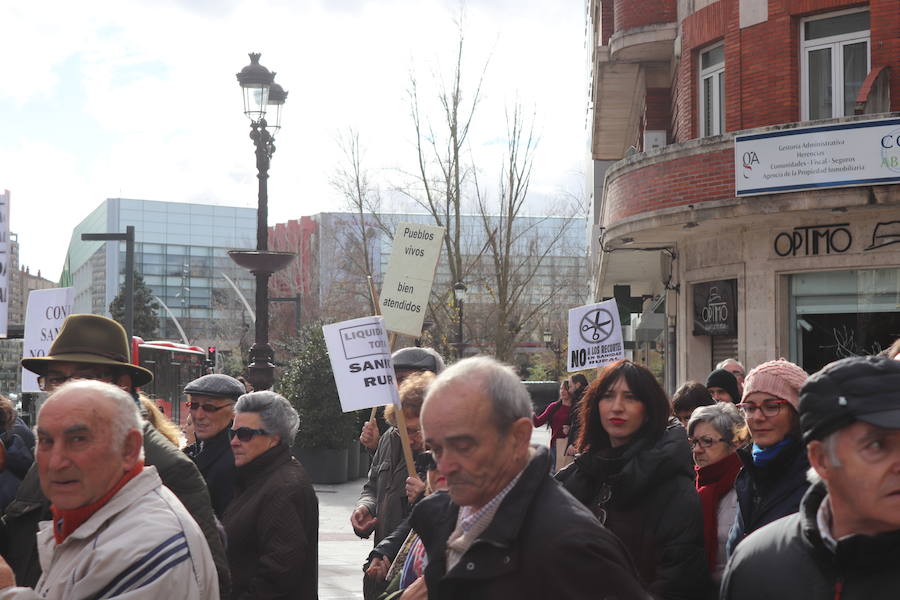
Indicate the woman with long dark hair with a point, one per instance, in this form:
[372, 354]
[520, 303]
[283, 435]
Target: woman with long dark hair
[634, 472]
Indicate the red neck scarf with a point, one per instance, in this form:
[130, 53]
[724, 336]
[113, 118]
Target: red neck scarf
[67, 521]
[713, 482]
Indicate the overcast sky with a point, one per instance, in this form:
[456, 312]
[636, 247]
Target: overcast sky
[138, 99]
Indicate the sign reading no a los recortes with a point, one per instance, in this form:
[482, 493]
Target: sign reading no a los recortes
[407, 283]
[595, 336]
[715, 308]
[840, 155]
[361, 360]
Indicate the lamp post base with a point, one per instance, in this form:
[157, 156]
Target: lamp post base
[261, 370]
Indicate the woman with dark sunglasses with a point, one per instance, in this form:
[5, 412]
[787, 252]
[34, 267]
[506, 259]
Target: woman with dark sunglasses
[634, 472]
[273, 522]
[773, 479]
[715, 432]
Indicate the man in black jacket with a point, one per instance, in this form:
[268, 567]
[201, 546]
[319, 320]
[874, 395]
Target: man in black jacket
[94, 347]
[845, 541]
[505, 529]
[211, 400]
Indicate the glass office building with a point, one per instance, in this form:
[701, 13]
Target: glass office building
[181, 252]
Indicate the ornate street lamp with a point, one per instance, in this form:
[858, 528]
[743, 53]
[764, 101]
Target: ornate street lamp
[261, 95]
[459, 293]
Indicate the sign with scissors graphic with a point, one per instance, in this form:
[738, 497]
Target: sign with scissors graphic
[595, 336]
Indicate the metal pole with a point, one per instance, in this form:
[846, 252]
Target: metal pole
[262, 139]
[261, 370]
[459, 335]
[129, 281]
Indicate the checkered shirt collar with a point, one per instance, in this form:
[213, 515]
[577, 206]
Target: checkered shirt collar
[468, 517]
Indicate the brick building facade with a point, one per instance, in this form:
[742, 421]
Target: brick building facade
[808, 92]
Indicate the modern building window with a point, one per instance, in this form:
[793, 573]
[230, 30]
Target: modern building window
[834, 61]
[712, 91]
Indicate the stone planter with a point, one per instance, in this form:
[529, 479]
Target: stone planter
[365, 461]
[323, 465]
[353, 460]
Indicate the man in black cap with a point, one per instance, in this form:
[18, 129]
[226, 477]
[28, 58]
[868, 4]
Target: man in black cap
[211, 399]
[845, 540]
[723, 386]
[94, 347]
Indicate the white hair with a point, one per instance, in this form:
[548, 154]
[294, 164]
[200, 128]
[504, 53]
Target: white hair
[276, 413]
[829, 445]
[126, 416]
[510, 400]
[726, 362]
[724, 418]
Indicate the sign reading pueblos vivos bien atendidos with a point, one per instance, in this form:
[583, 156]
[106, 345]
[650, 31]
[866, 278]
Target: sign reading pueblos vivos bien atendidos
[837, 155]
[595, 336]
[361, 360]
[407, 283]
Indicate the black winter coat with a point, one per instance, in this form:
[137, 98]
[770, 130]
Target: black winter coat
[542, 543]
[273, 530]
[787, 559]
[653, 507]
[766, 494]
[178, 473]
[216, 464]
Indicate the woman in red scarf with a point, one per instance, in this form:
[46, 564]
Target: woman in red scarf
[715, 432]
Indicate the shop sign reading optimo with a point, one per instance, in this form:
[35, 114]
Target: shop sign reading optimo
[715, 308]
[840, 155]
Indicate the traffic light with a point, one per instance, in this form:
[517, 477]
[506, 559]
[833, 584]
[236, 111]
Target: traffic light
[211, 357]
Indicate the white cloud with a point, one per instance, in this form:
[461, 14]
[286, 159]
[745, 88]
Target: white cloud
[150, 107]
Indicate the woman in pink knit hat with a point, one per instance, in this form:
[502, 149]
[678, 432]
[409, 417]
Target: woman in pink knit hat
[773, 478]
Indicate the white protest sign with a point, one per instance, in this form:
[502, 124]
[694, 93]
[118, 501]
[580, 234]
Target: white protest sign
[407, 283]
[361, 360]
[47, 309]
[595, 336]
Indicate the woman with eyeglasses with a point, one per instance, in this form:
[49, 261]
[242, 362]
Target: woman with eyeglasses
[715, 432]
[634, 472]
[773, 479]
[272, 523]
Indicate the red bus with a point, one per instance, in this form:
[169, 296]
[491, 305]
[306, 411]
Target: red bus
[173, 366]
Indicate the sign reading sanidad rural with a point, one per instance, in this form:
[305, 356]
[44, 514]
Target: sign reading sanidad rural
[839, 155]
[44, 316]
[407, 283]
[361, 360]
[595, 336]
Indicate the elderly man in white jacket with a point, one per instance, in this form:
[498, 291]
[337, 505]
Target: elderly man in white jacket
[117, 532]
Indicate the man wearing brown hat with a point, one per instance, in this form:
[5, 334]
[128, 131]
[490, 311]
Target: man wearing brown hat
[94, 347]
[844, 543]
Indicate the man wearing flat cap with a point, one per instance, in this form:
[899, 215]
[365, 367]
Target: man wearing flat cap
[211, 400]
[97, 348]
[844, 543]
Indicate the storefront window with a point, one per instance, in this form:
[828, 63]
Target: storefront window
[836, 314]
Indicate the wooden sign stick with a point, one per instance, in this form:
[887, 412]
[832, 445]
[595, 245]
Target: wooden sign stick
[398, 412]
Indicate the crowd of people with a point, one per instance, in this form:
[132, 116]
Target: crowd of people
[771, 483]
